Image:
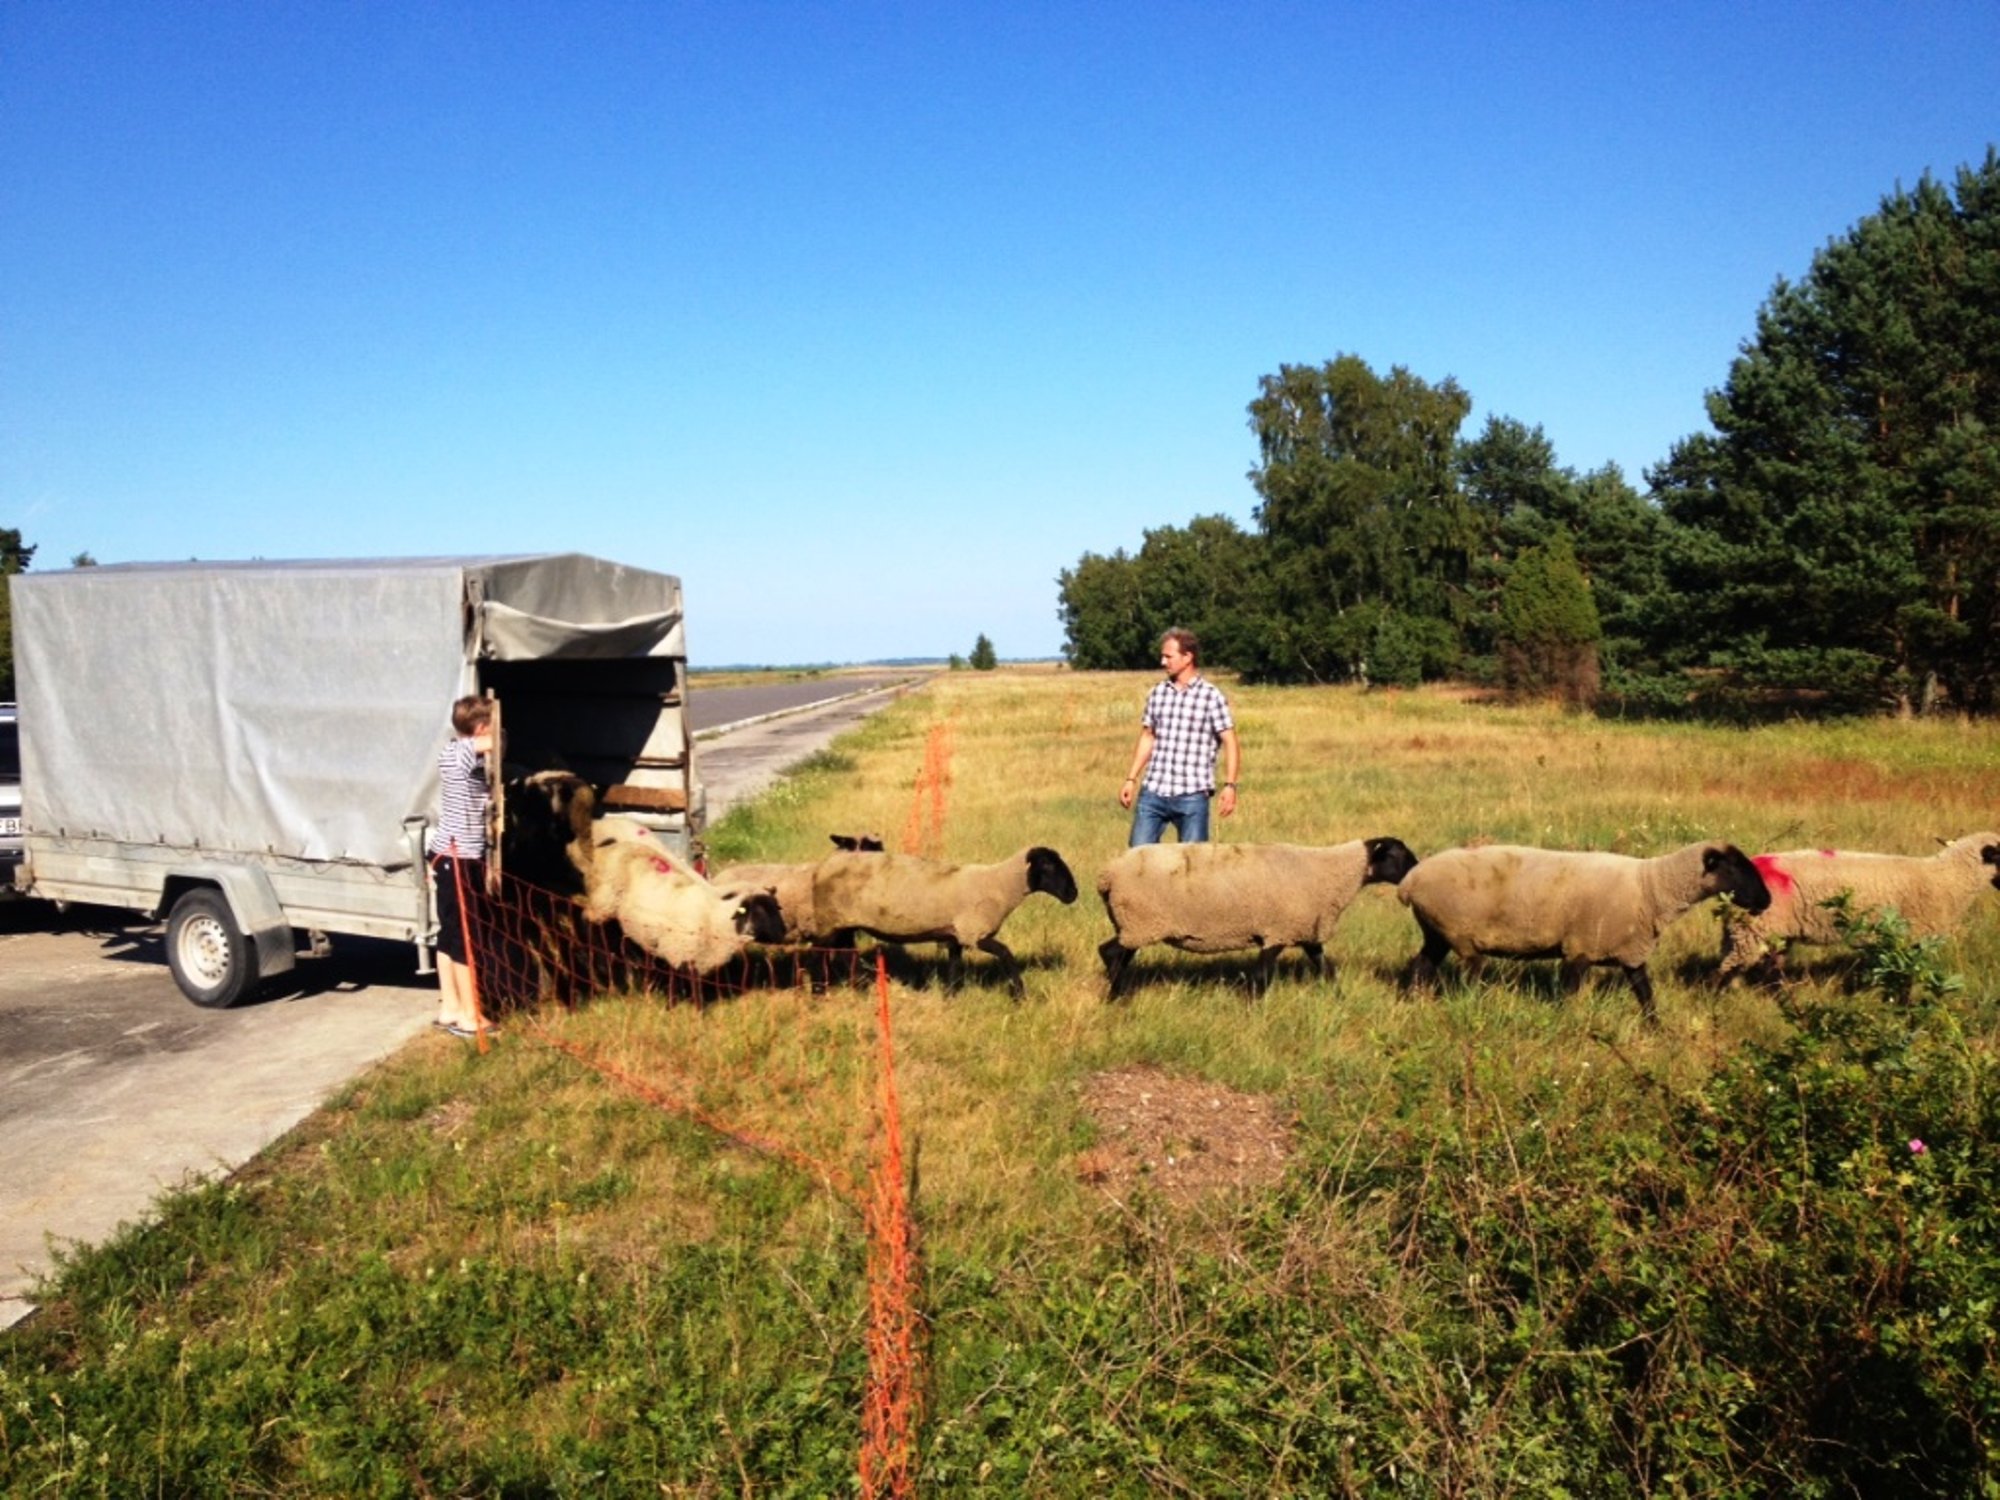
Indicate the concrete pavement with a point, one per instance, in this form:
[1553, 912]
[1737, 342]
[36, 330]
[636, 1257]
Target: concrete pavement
[114, 1089]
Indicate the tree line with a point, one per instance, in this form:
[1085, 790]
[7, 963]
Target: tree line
[1833, 542]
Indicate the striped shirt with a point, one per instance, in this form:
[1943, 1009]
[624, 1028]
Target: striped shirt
[1187, 724]
[462, 802]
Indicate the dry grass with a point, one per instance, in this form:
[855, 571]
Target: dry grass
[996, 1091]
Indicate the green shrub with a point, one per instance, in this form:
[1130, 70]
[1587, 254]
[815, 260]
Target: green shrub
[1900, 966]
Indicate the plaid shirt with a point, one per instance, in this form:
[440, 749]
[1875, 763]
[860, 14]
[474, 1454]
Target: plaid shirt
[1187, 725]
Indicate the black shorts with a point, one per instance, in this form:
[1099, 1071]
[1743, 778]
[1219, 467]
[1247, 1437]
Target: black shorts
[449, 873]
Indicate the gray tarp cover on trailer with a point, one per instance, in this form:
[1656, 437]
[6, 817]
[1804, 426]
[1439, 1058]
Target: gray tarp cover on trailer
[294, 708]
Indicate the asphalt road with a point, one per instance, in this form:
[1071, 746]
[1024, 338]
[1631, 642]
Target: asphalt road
[113, 1087]
[712, 708]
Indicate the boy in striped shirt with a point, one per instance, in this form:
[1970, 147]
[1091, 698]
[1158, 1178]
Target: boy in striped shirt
[457, 847]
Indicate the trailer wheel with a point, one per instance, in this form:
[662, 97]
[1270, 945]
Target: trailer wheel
[209, 955]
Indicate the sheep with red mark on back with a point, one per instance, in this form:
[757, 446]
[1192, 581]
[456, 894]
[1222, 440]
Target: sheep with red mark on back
[1932, 893]
[669, 910]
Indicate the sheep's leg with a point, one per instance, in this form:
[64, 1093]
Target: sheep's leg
[954, 964]
[1574, 972]
[1005, 955]
[1422, 975]
[1116, 957]
[1741, 949]
[1316, 956]
[1642, 986]
[1770, 968]
[839, 946]
[1267, 963]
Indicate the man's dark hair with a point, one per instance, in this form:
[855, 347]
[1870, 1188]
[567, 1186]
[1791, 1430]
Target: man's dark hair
[1185, 639]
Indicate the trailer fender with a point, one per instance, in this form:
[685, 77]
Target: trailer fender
[252, 902]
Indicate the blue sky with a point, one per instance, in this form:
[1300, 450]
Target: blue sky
[869, 319]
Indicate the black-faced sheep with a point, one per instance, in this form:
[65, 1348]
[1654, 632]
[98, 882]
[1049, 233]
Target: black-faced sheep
[1216, 898]
[546, 812]
[902, 898]
[531, 932]
[1585, 908]
[668, 910]
[1932, 893]
[791, 884]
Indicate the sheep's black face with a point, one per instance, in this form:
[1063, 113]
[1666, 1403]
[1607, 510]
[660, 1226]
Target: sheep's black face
[864, 843]
[758, 918]
[1047, 872]
[1991, 854]
[1389, 860]
[1730, 873]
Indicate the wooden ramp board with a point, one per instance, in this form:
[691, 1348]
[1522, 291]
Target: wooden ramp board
[645, 799]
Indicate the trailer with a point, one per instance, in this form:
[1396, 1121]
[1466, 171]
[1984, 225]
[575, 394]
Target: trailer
[249, 749]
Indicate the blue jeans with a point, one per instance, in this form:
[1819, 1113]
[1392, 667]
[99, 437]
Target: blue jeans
[1153, 813]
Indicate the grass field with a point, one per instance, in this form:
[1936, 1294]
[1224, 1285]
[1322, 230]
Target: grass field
[1519, 1245]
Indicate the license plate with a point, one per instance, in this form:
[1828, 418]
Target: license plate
[10, 827]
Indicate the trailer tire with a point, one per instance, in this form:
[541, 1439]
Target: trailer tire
[207, 951]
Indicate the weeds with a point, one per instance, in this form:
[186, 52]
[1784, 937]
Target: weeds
[1892, 960]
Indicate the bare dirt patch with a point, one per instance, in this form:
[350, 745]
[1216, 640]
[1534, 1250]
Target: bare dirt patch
[1184, 1138]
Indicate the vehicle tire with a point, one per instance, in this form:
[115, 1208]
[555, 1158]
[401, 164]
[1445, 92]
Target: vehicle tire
[208, 953]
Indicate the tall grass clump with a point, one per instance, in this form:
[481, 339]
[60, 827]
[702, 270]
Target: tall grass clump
[1522, 1245]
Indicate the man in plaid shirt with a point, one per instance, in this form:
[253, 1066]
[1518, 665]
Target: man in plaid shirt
[1173, 767]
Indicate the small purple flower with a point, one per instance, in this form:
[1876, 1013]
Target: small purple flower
[1917, 1147]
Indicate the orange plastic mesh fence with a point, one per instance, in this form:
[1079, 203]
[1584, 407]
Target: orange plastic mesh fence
[682, 1103]
[890, 1411]
[530, 946]
[530, 950]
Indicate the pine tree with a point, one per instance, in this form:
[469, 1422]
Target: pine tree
[982, 658]
[1549, 628]
[1840, 528]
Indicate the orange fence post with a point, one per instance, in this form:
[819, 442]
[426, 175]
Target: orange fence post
[892, 1403]
[890, 1412]
[929, 795]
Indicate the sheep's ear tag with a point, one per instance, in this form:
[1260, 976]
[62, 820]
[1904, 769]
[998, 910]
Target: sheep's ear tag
[662, 866]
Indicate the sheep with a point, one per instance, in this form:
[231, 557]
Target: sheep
[546, 813]
[1932, 893]
[902, 898]
[791, 886]
[1585, 908]
[1213, 898]
[790, 883]
[668, 910]
[531, 935]
[615, 829]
